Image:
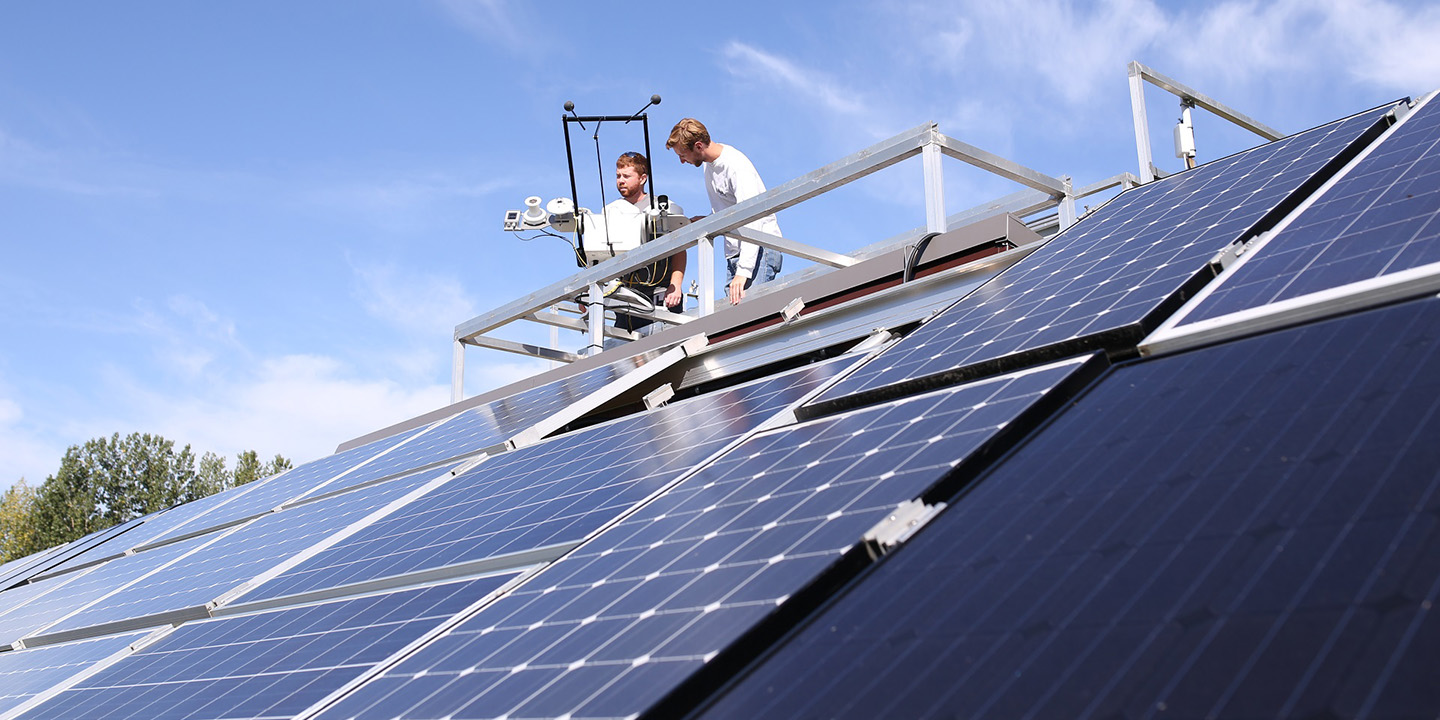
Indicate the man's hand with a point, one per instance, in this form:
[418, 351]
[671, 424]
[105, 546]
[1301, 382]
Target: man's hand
[737, 290]
[673, 296]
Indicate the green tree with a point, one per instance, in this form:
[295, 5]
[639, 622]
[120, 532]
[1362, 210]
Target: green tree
[108, 481]
[17, 531]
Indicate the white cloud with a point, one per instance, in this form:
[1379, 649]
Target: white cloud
[299, 405]
[811, 86]
[22, 453]
[419, 304]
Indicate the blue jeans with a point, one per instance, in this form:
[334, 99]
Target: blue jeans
[767, 266]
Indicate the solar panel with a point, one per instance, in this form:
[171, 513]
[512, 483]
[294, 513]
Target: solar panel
[1379, 219]
[1246, 530]
[209, 570]
[490, 424]
[610, 629]
[31, 607]
[234, 505]
[551, 493]
[24, 674]
[265, 665]
[1110, 278]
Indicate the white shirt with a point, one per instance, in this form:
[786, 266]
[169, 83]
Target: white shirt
[730, 179]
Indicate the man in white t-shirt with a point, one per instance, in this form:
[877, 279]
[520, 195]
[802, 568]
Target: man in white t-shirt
[729, 178]
[663, 280]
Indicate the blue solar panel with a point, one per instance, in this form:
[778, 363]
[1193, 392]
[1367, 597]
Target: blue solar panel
[610, 629]
[27, 673]
[1380, 218]
[1247, 530]
[234, 505]
[266, 665]
[555, 492]
[29, 608]
[489, 425]
[223, 563]
[1110, 278]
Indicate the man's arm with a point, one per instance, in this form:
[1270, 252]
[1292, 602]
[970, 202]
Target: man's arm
[675, 294]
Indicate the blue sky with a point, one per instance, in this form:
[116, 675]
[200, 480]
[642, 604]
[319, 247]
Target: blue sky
[254, 225]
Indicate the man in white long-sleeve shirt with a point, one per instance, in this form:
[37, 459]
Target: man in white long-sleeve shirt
[729, 179]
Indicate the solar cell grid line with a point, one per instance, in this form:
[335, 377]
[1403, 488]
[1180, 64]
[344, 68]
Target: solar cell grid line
[26, 674]
[1244, 530]
[223, 509]
[487, 425]
[266, 665]
[20, 570]
[206, 573]
[109, 542]
[289, 485]
[555, 492]
[1108, 279]
[640, 610]
[32, 607]
[1378, 219]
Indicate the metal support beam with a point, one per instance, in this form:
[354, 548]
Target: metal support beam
[991, 162]
[595, 317]
[707, 276]
[932, 156]
[790, 247]
[1185, 92]
[1142, 123]
[1140, 74]
[457, 372]
[1067, 206]
[518, 348]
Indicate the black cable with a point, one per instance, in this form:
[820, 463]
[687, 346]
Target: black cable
[913, 253]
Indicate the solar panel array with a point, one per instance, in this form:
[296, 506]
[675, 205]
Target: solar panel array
[1170, 549]
[1100, 284]
[1379, 219]
[984, 519]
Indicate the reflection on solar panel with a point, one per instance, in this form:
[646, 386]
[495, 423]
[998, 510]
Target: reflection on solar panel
[488, 425]
[1105, 281]
[29, 608]
[222, 563]
[234, 505]
[1376, 220]
[272, 664]
[554, 492]
[50, 562]
[610, 629]
[1242, 531]
[27, 673]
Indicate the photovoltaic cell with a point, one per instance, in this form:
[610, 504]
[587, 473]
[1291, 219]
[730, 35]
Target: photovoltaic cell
[1377, 220]
[29, 608]
[610, 629]
[27, 673]
[236, 504]
[553, 492]
[222, 564]
[1246, 530]
[490, 424]
[266, 665]
[1105, 281]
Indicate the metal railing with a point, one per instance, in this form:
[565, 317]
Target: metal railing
[925, 140]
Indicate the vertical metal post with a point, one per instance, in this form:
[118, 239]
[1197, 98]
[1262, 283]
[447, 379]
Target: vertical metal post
[1142, 125]
[1067, 204]
[934, 186]
[596, 319]
[554, 336]
[457, 373]
[706, 247]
